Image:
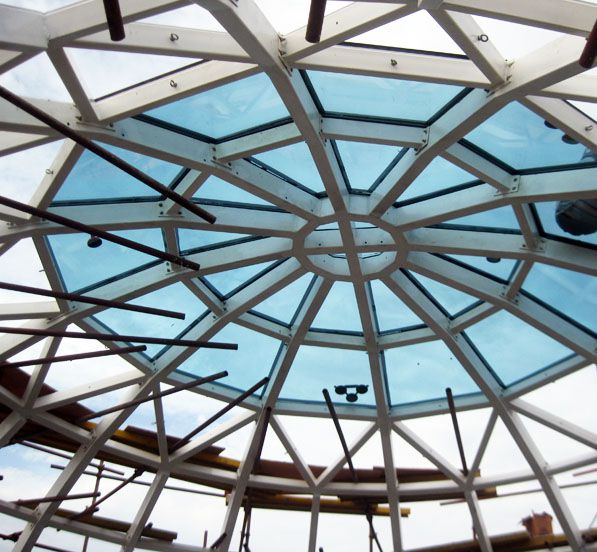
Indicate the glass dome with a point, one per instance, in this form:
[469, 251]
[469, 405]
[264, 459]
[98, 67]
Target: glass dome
[385, 229]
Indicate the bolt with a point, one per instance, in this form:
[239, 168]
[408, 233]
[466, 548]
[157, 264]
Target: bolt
[393, 62]
[173, 37]
[173, 83]
[482, 38]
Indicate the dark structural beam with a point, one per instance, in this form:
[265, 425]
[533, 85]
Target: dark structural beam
[75, 356]
[218, 414]
[91, 300]
[217, 542]
[117, 337]
[153, 396]
[587, 58]
[315, 22]
[330, 405]
[456, 429]
[108, 156]
[114, 18]
[92, 230]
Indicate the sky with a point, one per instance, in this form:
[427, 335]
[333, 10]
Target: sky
[27, 473]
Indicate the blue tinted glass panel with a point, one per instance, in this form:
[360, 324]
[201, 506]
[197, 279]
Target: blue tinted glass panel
[547, 215]
[513, 348]
[176, 297]
[283, 304]
[502, 217]
[296, 162]
[81, 266]
[364, 163]
[228, 109]
[572, 293]
[380, 97]
[190, 239]
[519, 138]
[94, 178]
[316, 368]
[439, 175]
[219, 190]
[391, 312]
[245, 367]
[501, 269]
[339, 309]
[228, 280]
[422, 372]
[451, 299]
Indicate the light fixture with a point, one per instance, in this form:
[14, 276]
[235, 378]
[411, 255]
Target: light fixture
[359, 389]
[94, 242]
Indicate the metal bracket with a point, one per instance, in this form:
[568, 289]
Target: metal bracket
[419, 148]
[512, 189]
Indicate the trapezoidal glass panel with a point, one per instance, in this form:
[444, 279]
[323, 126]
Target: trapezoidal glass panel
[234, 107]
[380, 97]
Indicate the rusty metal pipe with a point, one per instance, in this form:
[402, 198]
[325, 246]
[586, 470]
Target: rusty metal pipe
[69, 296]
[315, 22]
[76, 356]
[93, 231]
[116, 337]
[456, 429]
[587, 58]
[55, 498]
[114, 19]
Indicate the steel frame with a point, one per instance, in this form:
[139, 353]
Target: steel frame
[542, 80]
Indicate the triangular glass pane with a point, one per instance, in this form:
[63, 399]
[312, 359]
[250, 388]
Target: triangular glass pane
[589, 109]
[252, 362]
[234, 107]
[103, 72]
[192, 17]
[176, 297]
[513, 348]
[24, 80]
[283, 304]
[502, 268]
[514, 40]
[438, 432]
[417, 31]
[364, 162]
[81, 266]
[572, 293]
[391, 312]
[451, 299]
[547, 216]
[339, 310]
[34, 276]
[316, 368]
[192, 239]
[22, 172]
[502, 455]
[228, 280]
[380, 97]
[423, 371]
[500, 218]
[409, 457]
[440, 174]
[216, 189]
[520, 138]
[94, 178]
[555, 447]
[296, 162]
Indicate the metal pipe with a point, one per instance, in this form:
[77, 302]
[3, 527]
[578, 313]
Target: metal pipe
[587, 58]
[218, 414]
[55, 498]
[80, 227]
[266, 416]
[114, 18]
[95, 507]
[144, 483]
[218, 541]
[105, 154]
[315, 22]
[76, 356]
[116, 337]
[456, 430]
[153, 396]
[91, 300]
[334, 416]
[65, 456]
[372, 532]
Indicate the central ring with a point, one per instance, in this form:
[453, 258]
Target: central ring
[378, 246]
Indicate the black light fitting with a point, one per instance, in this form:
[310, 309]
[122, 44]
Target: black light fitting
[359, 389]
[94, 242]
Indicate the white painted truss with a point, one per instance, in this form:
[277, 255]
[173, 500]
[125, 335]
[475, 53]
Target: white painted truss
[375, 237]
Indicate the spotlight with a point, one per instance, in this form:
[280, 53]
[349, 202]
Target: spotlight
[569, 140]
[493, 260]
[353, 396]
[94, 242]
